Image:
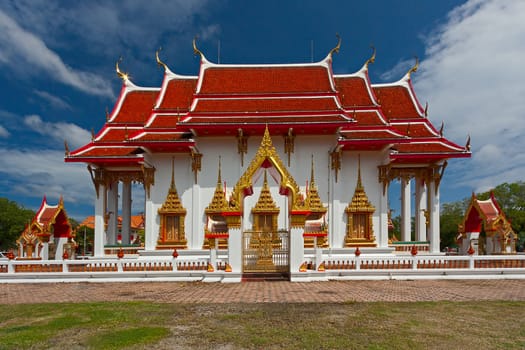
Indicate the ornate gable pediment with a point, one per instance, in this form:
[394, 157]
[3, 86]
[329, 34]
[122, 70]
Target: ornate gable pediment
[265, 157]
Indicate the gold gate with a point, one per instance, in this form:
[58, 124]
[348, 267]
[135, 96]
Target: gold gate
[266, 251]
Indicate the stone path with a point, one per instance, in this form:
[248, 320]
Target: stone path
[263, 292]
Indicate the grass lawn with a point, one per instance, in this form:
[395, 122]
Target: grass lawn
[141, 325]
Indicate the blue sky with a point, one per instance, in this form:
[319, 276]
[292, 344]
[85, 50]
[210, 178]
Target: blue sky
[57, 73]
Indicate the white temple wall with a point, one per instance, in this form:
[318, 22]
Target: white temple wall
[344, 190]
[196, 197]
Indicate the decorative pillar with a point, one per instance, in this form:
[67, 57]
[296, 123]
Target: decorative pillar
[296, 248]
[195, 238]
[151, 230]
[112, 229]
[126, 211]
[434, 233]
[382, 236]
[235, 249]
[405, 209]
[421, 210]
[98, 244]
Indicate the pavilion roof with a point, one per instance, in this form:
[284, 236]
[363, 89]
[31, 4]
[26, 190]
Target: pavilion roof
[305, 98]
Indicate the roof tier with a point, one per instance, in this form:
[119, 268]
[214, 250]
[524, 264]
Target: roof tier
[307, 98]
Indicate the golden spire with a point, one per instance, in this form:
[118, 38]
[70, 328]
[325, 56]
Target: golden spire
[337, 47]
[218, 203]
[359, 183]
[313, 201]
[360, 202]
[312, 178]
[172, 184]
[172, 204]
[372, 58]
[414, 68]
[123, 76]
[265, 203]
[219, 180]
[196, 51]
[159, 62]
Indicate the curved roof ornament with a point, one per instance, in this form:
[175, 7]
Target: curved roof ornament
[442, 128]
[414, 68]
[123, 76]
[372, 58]
[337, 47]
[196, 51]
[467, 146]
[159, 62]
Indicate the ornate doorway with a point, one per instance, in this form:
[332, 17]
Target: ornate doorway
[266, 251]
[265, 248]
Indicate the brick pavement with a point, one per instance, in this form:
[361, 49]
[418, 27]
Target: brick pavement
[262, 292]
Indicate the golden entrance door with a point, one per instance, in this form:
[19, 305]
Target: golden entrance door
[266, 251]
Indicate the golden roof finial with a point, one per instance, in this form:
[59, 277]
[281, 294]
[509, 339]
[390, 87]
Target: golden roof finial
[337, 47]
[66, 148]
[426, 109]
[467, 146]
[414, 68]
[372, 58]
[92, 134]
[196, 51]
[159, 62]
[441, 128]
[123, 76]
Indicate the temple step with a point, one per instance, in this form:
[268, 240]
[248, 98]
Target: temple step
[265, 277]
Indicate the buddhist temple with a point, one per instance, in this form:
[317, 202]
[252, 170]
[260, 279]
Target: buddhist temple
[48, 236]
[264, 164]
[485, 230]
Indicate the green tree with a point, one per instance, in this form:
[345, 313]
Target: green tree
[84, 238]
[451, 216]
[13, 219]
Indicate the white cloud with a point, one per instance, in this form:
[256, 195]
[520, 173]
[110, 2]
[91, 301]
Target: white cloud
[473, 78]
[54, 101]
[399, 70]
[73, 134]
[35, 173]
[3, 132]
[21, 47]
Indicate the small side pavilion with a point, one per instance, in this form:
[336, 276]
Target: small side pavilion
[49, 235]
[486, 229]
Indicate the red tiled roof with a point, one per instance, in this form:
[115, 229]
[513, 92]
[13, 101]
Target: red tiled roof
[113, 134]
[265, 79]
[353, 91]
[178, 94]
[105, 151]
[396, 102]
[266, 105]
[257, 118]
[136, 107]
[418, 129]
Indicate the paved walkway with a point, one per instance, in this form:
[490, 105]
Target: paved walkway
[262, 292]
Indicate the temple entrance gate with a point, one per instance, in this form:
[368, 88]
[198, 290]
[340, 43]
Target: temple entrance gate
[266, 251]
